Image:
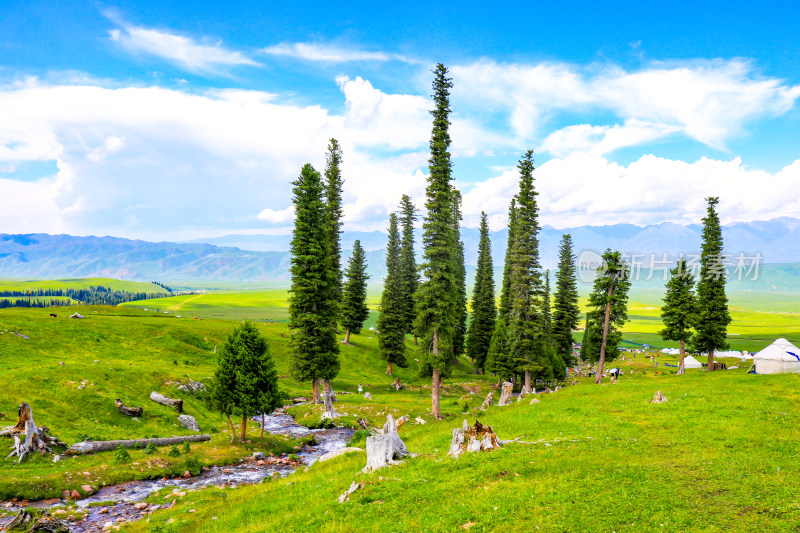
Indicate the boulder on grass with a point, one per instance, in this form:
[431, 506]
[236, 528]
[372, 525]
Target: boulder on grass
[189, 423]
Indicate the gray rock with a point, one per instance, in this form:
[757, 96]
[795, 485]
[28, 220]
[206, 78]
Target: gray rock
[189, 422]
[258, 456]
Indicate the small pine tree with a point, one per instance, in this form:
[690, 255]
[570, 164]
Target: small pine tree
[608, 312]
[484, 311]
[391, 320]
[245, 381]
[713, 316]
[354, 293]
[505, 290]
[679, 312]
[498, 360]
[567, 312]
[409, 277]
[313, 308]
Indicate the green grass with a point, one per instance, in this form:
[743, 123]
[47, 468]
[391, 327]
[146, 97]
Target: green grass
[81, 283]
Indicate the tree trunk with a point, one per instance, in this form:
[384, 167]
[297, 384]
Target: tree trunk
[233, 430]
[681, 367]
[315, 385]
[244, 427]
[326, 387]
[389, 369]
[128, 411]
[527, 382]
[710, 366]
[262, 424]
[346, 337]
[435, 394]
[416, 342]
[601, 363]
[169, 402]
[82, 448]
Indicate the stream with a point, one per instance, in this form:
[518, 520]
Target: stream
[126, 495]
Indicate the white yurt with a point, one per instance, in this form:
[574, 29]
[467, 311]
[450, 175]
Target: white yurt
[690, 362]
[780, 357]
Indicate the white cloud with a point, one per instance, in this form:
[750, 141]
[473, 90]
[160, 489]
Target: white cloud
[282, 216]
[325, 53]
[584, 189]
[709, 101]
[111, 145]
[601, 140]
[179, 49]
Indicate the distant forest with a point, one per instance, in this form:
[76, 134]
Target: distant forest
[94, 295]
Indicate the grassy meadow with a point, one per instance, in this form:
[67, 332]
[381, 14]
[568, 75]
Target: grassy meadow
[720, 455]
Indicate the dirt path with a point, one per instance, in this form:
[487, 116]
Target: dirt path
[177, 307]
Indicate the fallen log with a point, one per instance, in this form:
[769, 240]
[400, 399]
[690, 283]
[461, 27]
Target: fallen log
[36, 438]
[169, 402]
[128, 411]
[82, 448]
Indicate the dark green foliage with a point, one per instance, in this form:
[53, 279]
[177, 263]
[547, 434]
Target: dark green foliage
[526, 321]
[679, 312]
[391, 320]
[484, 311]
[409, 277]
[567, 312]
[459, 338]
[437, 296]
[333, 197]
[498, 359]
[505, 291]
[313, 308]
[354, 293]
[245, 381]
[713, 316]
[150, 449]
[614, 271]
[186, 447]
[547, 310]
[174, 451]
[121, 455]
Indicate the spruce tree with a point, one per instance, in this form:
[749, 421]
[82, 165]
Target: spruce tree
[409, 277]
[245, 381]
[391, 320]
[354, 293]
[484, 311]
[505, 290]
[567, 312]
[459, 338]
[608, 312]
[313, 308]
[437, 295]
[526, 322]
[679, 312]
[713, 316]
[499, 360]
[547, 310]
[333, 196]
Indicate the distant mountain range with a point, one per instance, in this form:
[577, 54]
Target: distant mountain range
[256, 258]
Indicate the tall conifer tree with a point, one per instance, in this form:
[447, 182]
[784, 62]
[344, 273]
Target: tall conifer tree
[712, 302]
[333, 196]
[505, 290]
[409, 277]
[391, 320]
[499, 359]
[313, 308]
[437, 296]
[567, 312]
[679, 312]
[484, 311]
[526, 323]
[459, 339]
[547, 310]
[354, 293]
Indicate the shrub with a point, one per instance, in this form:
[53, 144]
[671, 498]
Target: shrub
[186, 447]
[150, 449]
[359, 438]
[121, 455]
[192, 465]
[174, 451]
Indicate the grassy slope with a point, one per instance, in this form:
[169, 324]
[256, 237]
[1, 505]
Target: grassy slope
[81, 283]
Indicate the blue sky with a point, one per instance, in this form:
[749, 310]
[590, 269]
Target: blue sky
[182, 120]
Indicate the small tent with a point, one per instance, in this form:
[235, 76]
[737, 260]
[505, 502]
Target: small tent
[780, 357]
[690, 362]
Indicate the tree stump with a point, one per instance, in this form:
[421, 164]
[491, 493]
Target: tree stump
[169, 402]
[473, 439]
[400, 421]
[658, 398]
[328, 401]
[36, 438]
[524, 392]
[37, 520]
[505, 394]
[128, 411]
[488, 401]
[397, 385]
[384, 450]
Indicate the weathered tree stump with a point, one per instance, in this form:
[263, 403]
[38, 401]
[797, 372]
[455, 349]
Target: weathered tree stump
[505, 394]
[488, 401]
[169, 402]
[473, 439]
[400, 421]
[36, 438]
[524, 392]
[128, 411]
[535, 400]
[37, 520]
[328, 401]
[346, 494]
[658, 398]
[398, 385]
[384, 450]
[82, 448]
